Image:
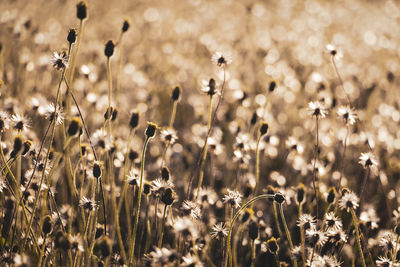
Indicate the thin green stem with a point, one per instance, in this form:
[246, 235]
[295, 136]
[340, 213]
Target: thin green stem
[135, 223]
[353, 214]
[244, 206]
[287, 232]
[257, 163]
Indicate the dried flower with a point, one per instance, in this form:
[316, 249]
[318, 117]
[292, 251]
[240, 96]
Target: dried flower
[221, 60]
[348, 114]
[233, 198]
[59, 60]
[219, 230]
[349, 201]
[317, 109]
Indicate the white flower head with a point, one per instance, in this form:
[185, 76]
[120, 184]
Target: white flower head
[348, 114]
[317, 109]
[221, 59]
[59, 61]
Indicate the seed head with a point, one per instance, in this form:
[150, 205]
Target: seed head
[253, 230]
[263, 128]
[272, 245]
[301, 191]
[27, 147]
[168, 196]
[59, 60]
[151, 129]
[165, 173]
[74, 126]
[47, 225]
[81, 10]
[134, 121]
[97, 170]
[71, 38]
[126, 25]
[176, 93]
[331, 195]
[279, 198]
[109, 49]
[272, 86]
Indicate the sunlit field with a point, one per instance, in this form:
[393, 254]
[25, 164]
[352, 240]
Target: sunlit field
[196, 133]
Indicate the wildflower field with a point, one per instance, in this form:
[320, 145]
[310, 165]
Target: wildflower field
[200, 133]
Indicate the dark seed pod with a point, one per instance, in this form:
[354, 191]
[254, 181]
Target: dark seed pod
[176, 93]
[27, 147]
[263, 128]
[279, 198]
[331, 195]
[272, 86]
[103, 247]
[74, 126]
[96, 170]
[165, 173]
[301, 190]
[211, 85]
[17, 144]
[146, 188]
[114, 115]
[253, 230]
[134, 121]
[247, 214]
[47, 225]
[109, 49]
[108, 113]
[126, 25]
[272, 245]
[83, 149]
[253, 118]
[151, 129]
[168, 197]
[133, 155]
[71, 38]
[81, 10]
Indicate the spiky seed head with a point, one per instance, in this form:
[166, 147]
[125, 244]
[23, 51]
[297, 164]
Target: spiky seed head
[151, 129]
[81, 10]
[71, 38]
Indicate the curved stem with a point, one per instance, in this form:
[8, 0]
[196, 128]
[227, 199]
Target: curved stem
[244, 206]
[287, 232]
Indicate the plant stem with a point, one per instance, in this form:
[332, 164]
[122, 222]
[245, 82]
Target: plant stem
[353, 214]
[162, 227]
[244, 206]
[302, 239]
[339, 186]
[173, 114]
[314, 164]
[205, 149]
[135, 223]
[287, 232]
[257, 163]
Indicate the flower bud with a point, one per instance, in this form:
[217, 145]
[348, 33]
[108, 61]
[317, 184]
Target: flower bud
[272, 245]
[74, 126]
[331, 195]
[301, 191]
[253, 230]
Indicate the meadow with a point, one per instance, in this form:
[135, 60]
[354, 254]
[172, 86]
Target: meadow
[199, 133]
